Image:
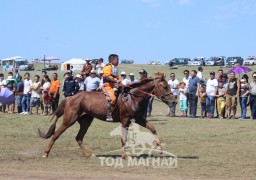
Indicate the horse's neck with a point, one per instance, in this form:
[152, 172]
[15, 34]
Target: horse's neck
[147, 87]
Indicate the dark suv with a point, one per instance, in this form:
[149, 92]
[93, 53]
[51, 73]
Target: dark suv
[233, 60]
[179, 61]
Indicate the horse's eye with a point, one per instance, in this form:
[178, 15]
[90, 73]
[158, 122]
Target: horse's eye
[166, 87]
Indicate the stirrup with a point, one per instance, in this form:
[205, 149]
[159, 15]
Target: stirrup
[109, 118]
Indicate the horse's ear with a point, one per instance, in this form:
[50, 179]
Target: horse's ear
[161, 75]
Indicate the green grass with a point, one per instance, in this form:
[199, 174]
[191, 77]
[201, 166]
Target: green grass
[206, 148]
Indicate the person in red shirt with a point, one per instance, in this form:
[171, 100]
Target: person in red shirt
[86, 68]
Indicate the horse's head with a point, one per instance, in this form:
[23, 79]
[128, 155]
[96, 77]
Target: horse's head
[162, 90]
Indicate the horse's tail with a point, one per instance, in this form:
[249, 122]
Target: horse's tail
[58, 113]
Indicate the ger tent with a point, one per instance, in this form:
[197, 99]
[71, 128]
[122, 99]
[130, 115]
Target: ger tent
[75, 62]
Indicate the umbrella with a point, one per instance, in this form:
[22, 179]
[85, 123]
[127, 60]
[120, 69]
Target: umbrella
[239, 70]
[6, 96]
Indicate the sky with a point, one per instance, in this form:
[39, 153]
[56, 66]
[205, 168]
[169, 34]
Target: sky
[141, 30]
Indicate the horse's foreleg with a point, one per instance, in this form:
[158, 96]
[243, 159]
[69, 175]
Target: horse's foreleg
[124, 132]
[85, 122]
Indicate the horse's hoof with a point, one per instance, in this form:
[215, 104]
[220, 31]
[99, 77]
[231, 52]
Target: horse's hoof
[45, 156]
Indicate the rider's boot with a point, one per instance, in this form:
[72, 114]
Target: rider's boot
[109, 116]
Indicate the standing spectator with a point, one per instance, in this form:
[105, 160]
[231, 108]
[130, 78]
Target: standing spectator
[252, 101]
[92, 83]
[26, 94]
[35, 94]
[225, 80]
[186, 81]
[183, 99]
[70, 87]
[124, 80]
[200, 73]
[202, 100]
[100, 66]
[143, 75]
[12, 87]
[244, 91]
[132, 78]
[232, 93]
[211, 91]
[19, 93]
[72, 69]
[2, 84]
[174, 85]
[80, 83]
[86, 68]
[55, 91]
[193, 90]
[220, 74]
[45, 93]
[16, 75]
[246, 78]
[44, 73]
[221, 100]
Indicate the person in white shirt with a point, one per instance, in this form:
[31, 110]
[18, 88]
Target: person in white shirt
[174, 85]
[100, 66]
[211, 91]
[124, 80]
[35, 94]
[80, 82]
[92, 82]
[183, 99]
[186, 77]
[132, 79]
[26, 94]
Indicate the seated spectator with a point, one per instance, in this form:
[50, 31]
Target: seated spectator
[221, 100]
[80, 83]
[92, 82]
[35, 94]
[244, 92]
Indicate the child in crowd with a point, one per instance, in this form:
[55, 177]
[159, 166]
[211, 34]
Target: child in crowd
[202, 100]
[47, 102]
[221, 102]
[183, 99]
[244, 91]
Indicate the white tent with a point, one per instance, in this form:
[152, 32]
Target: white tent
[75, 62]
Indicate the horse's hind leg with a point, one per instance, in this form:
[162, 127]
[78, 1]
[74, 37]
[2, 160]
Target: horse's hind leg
[152, 129]
[67, 122]
[85, 122]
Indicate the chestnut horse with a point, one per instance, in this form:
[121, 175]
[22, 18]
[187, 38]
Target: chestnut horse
[131, 104]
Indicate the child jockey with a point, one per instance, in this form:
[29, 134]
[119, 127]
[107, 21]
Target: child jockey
[110, 76]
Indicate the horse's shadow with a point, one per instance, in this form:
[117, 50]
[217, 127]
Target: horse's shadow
[146, 156]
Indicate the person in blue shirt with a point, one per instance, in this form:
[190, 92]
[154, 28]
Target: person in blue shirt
[71, 86]
[193, 91]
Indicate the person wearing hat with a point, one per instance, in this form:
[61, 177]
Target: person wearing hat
[243, 97]
[252, 101]
[132, 78]
[12, 87]
[92, 83]
[174, 85]
[232, 93]
[86, 68]
[143, 75]
[80, 82]
[70, 86]
[110, 78]
[124, 80]
[211, 91]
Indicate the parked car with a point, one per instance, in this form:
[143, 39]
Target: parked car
[126, 61]
[179, 62]
[250, 61]
[154, 63]
[215, 61]
[198, 61]
[27, 67]
[234, 60]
